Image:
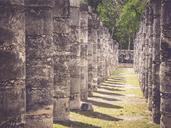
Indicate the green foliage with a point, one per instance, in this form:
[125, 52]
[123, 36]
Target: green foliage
[122, 19]
[128, 21]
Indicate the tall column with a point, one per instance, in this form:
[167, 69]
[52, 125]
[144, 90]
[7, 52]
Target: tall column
[84, 52]
[140, 53]
[74, 64]
[39, 66]
[146, 43]
[61, 55]
[150, 45]
[12, 64]
[100, 54]
[156, 62]
[92, 52]
[165, 66]
[104, 54]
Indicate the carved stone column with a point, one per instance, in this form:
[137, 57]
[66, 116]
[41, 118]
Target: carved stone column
[100, 54]
[146, 54]
[92, 52]
[150, 46]
[156, 5]
[39, 66]
[74, 62]
[61, 59]
[84, 52]
[165, 66]
[12, 63]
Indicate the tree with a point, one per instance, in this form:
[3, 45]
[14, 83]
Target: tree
[122, 18]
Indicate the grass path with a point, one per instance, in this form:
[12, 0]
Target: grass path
[118, 103]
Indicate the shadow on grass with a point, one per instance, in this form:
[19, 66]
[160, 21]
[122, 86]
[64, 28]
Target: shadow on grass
[115, 78]
[115, 82]
[105, 98]
[109, 93]
[97, 115]
[110, 89]
[75, 124]
[112, 85]
[102, 104]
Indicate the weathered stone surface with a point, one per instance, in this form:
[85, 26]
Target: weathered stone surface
[150, 46]
[165, 66]
[61, 59]
[87, 107]
[12, 64]
[126, 56]
[92, 52]
[156, 63]
[74, 62]
[84, 52]
[68, 53]
[39, 66]
[153, 47]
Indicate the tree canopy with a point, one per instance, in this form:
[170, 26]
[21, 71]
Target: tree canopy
[122, 17]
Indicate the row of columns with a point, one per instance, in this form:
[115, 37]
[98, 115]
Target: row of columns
[53, 55]
[152, 59]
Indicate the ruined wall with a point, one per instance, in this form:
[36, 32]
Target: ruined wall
[126, 56]
[152, 45]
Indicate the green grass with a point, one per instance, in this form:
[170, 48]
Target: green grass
[116, 106]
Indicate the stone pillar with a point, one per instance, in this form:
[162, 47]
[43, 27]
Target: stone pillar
[165, 66]
[104, 55]
[84, 52]
[140, 56]
[105, 52]
[61, 55]
[92, 52]
[74, 63]
[12, 64]
[39, 66]
[150, 45]
[116, 60]
[156, 62]
[95, 42]
[100, 54]
[146, 54]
